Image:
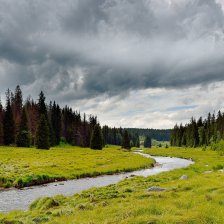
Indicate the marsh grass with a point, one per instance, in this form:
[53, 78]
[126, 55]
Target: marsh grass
[197, 200]
[22, 167]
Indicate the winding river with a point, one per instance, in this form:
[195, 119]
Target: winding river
[15, 199]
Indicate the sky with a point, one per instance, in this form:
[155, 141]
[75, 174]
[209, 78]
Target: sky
[133, 63]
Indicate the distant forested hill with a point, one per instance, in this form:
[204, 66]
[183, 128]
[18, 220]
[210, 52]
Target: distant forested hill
[157, 134]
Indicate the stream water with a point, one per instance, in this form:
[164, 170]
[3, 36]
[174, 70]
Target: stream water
[15, 199]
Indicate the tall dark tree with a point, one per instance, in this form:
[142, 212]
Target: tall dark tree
[85, 132]
[1, 134]
[32, 110]
[208, 128]
[97, 138]
[55, 119]
[42, 137]
[51, 129]
[17, 106]
[52, 137]
[126, 140]
[1, 124]
[23, 137]
[8, 122]
[202, 136]
[43, 132]
[148, 142]
[41, 105]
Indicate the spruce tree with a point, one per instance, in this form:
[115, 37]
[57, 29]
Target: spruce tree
[42, 136]
[42, 105]
[148, 142]
[43, 132]
[85, 132]
[97, 138]
[126, 140]
[8, 122]
[1, 124]
[17, 107]
[23, 137]
[202, 136]
[1, 134]
[52, 137]
[56, 123]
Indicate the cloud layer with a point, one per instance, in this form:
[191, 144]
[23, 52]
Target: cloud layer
[85, 49]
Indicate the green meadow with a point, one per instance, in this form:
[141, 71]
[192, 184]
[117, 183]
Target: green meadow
[21, 167]
[199, 199]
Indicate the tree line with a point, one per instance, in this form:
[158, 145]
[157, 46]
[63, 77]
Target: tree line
[35, 123]
[157, 134]
[201, 132]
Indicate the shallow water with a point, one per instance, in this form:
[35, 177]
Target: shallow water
[21, 199]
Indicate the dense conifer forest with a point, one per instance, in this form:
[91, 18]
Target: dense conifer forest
[157, 134]
[30, 123]
[201, 132]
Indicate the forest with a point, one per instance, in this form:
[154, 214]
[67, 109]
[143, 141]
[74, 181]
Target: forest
[157, 134]
[201, 132]
[30, 123]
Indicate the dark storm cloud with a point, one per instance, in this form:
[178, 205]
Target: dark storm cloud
[83, 48]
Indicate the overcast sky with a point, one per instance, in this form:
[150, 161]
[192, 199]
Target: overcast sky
[134, 63]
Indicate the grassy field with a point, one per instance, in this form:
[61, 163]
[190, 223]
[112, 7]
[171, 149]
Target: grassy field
[196, 200]
[28, 166]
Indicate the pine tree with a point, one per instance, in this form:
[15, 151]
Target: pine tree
[202, 136]
[8, 122]
[23, 137]
[43, 132]
[126, 140]
[52, 137]
[208, 134]
[32, 110]
[42, 137]
[56, 122]
[17, 106]
[148, 142]
[85, 132]
[97, 138]
[1, 124]
[41, 105]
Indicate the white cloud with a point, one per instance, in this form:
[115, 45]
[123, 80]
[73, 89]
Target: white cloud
[126, 60]
[155, 108]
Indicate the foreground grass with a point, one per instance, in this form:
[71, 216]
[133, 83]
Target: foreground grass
[22, 167]
[197, 200]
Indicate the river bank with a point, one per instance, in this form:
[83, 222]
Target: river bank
[21, 199]
[196, 199]
[24, 167]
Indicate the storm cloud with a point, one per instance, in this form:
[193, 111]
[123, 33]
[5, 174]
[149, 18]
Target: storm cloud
[84, 48]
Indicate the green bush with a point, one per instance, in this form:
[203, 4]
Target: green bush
[219, 146]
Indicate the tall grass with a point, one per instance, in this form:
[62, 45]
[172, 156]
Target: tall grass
[22, 167]
[196, 200]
